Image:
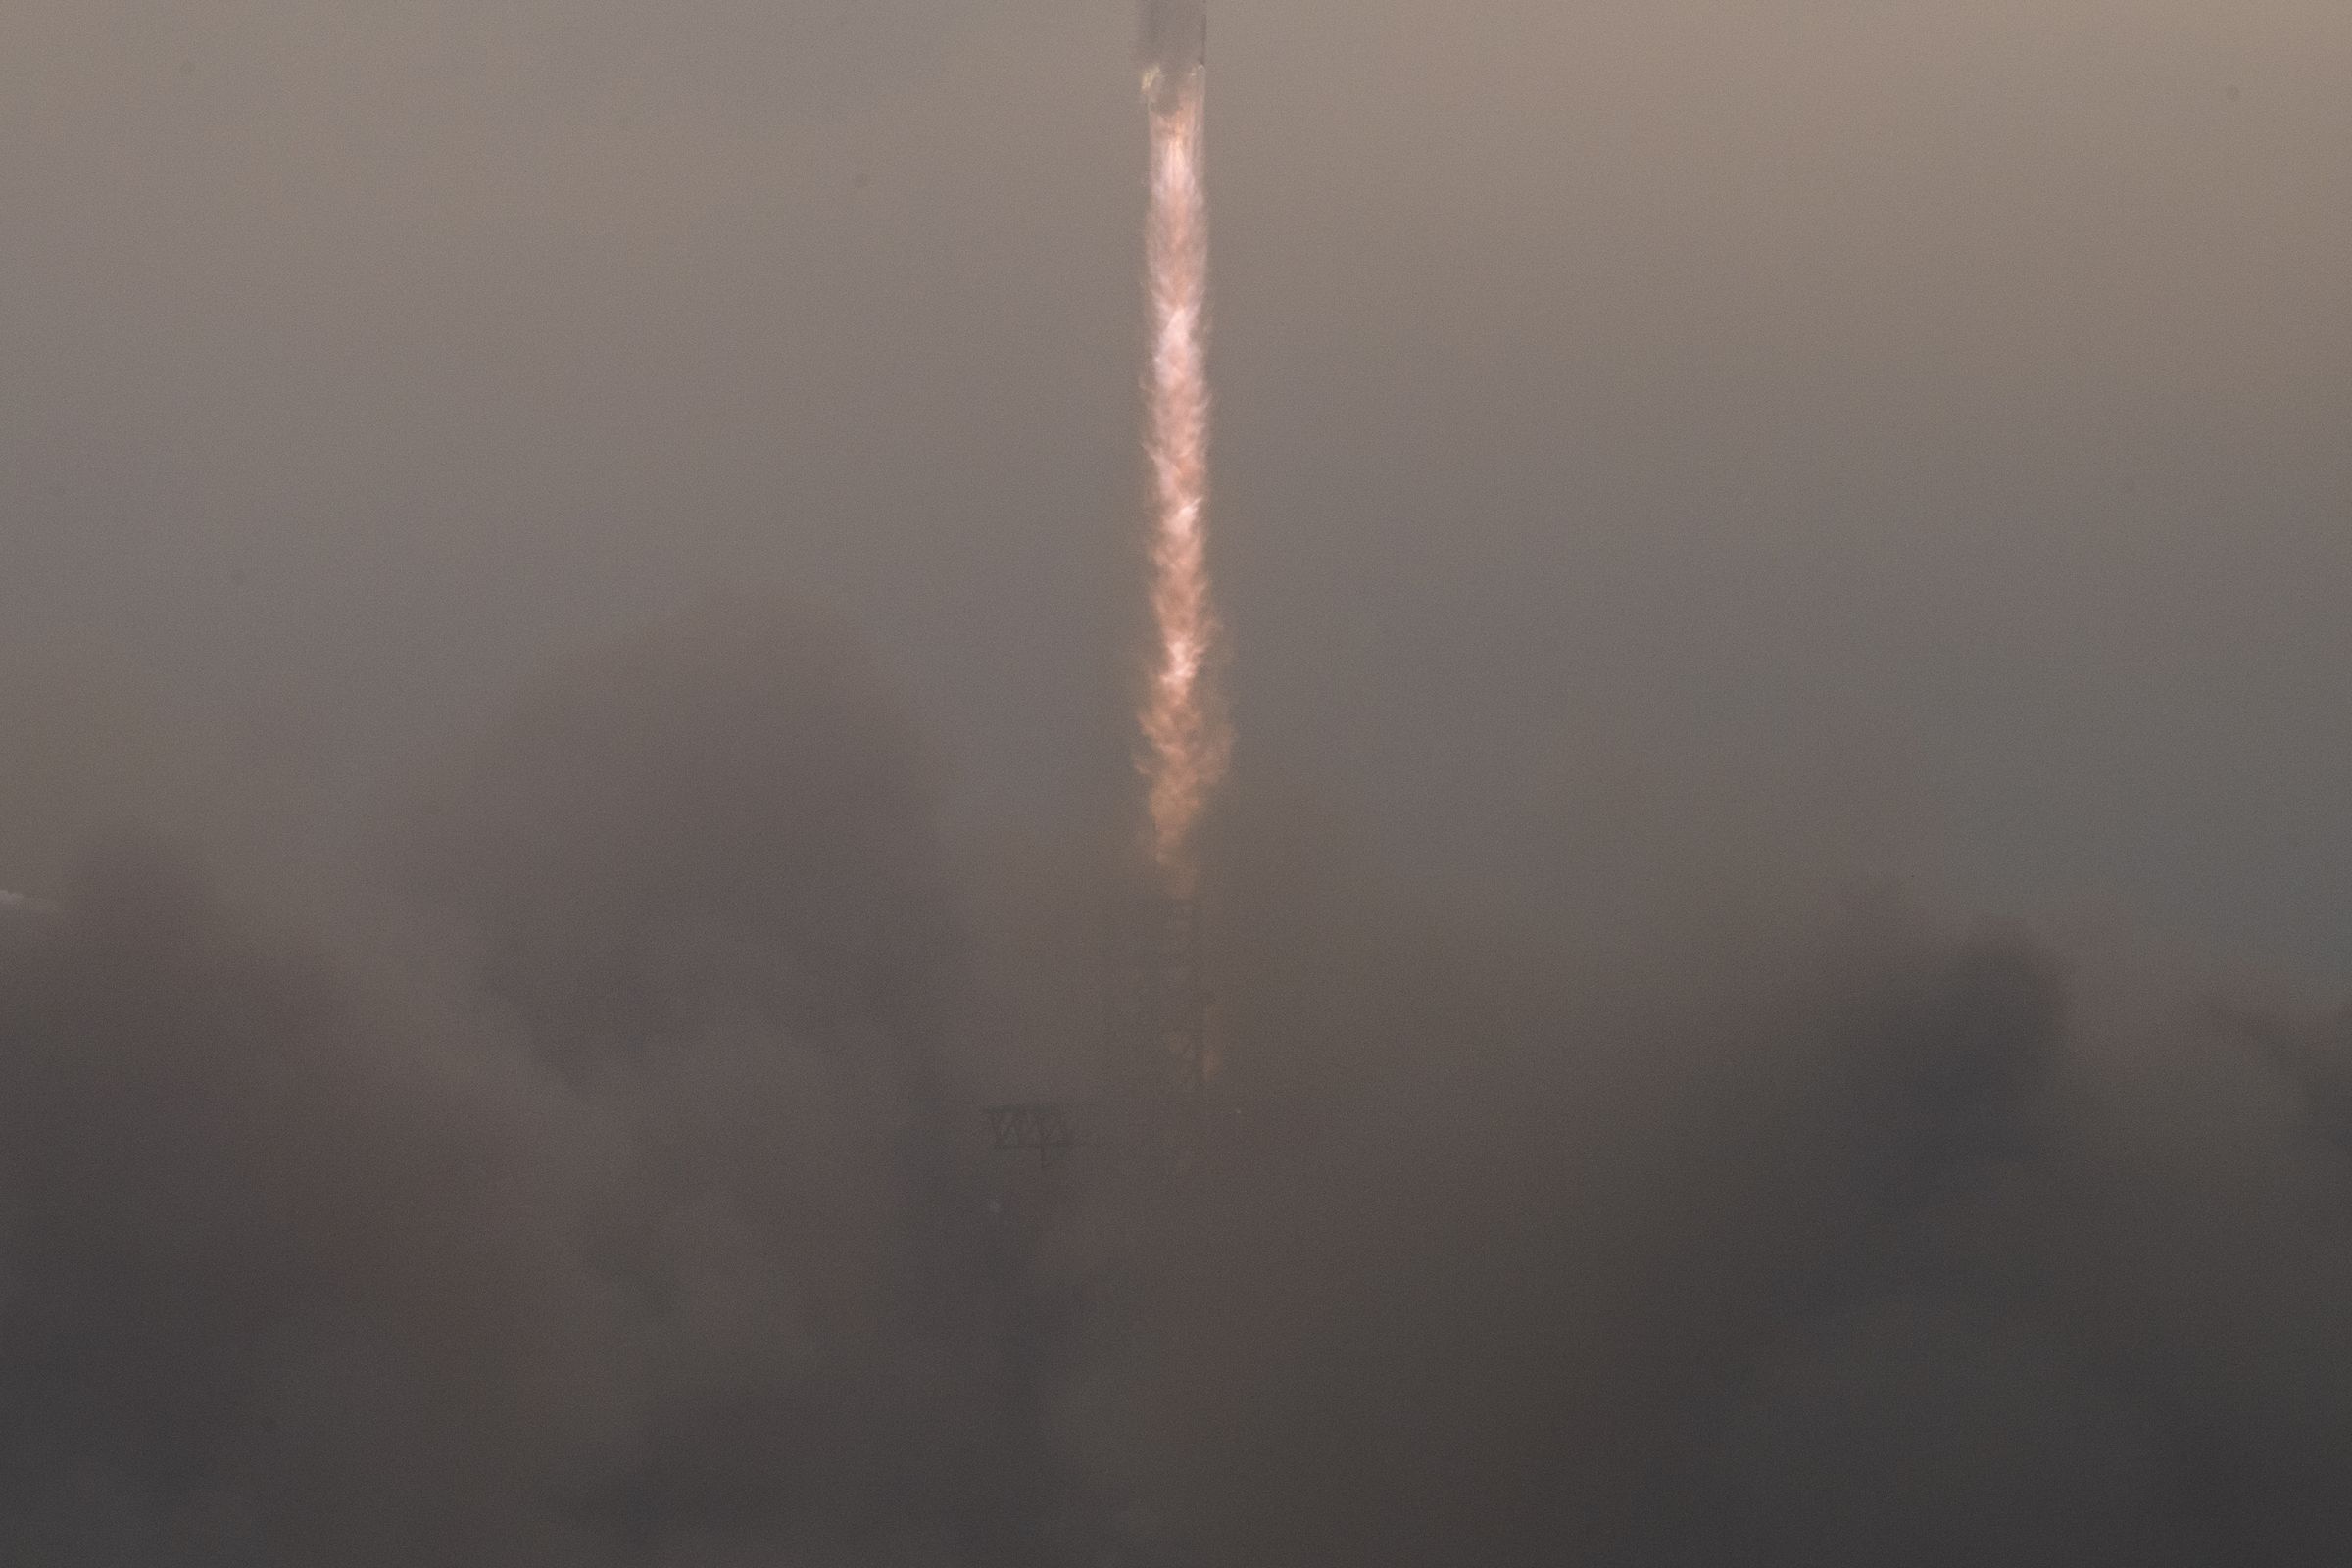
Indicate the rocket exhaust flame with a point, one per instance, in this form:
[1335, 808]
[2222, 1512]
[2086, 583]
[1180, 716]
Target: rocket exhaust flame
[1187, 741]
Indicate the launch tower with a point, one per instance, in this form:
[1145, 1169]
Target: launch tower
[1156, 1030]
[1161, 1057]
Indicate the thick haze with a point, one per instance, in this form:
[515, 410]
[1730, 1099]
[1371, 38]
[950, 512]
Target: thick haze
[572, 591]
[1921, 435]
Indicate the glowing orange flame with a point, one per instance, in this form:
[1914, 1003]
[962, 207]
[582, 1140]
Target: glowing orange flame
[1187, 742]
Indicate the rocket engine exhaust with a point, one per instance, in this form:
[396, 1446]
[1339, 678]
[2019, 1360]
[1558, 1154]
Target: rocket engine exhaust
[1186, 740]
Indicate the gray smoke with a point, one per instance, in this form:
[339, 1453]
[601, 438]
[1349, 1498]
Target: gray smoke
[1674, 457]
[618, 1200]
[642, 1241]
[1740, 1234]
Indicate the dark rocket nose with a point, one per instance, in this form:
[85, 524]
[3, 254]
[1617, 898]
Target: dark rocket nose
[1175, 36]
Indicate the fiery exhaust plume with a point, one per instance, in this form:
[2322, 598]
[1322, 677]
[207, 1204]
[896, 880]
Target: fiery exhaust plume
[1187, 742]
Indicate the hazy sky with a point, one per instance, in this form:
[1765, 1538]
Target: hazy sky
[1897, 435]
[1671, 457]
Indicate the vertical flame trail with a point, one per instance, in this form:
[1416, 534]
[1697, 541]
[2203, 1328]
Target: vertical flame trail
[1187, 741]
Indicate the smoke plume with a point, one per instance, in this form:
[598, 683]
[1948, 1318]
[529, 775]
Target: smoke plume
[621, 1202]
[640, 1242]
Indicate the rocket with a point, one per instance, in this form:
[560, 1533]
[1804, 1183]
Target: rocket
[1173, 45]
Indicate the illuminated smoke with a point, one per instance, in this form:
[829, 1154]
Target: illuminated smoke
[1187, 742]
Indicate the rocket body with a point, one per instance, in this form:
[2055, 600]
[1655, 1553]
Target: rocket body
[1173, 47]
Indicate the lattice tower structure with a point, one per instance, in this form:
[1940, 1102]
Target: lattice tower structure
[1158, 1026]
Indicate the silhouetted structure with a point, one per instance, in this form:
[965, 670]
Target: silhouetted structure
[1161, 1058]
[1156, 1031]
[1043, 1125]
